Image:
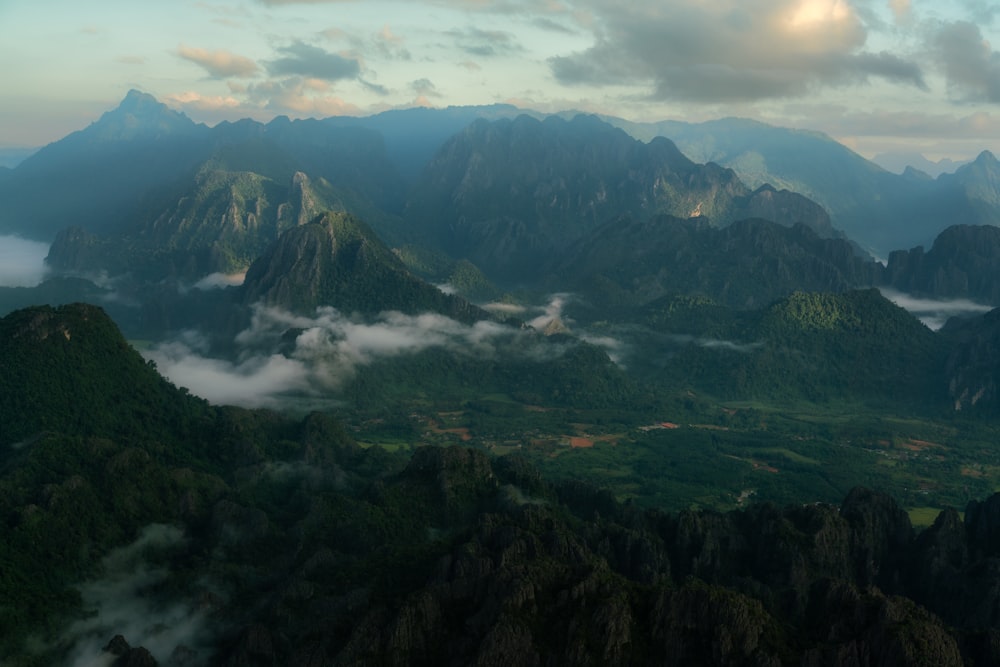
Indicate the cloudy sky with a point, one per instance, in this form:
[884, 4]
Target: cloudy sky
[878, 75]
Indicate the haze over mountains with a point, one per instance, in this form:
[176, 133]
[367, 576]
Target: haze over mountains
[690, 315]
[153, 155]
[144, 204]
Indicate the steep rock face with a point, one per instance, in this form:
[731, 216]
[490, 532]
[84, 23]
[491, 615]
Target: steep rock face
[979, 185]
[335, 260]
[963, 262]
[971, 370]
[219, 224]
[75, 250]
[862, 626]
[882, 532]
[510, 193]
[787, 208]
[882, 211]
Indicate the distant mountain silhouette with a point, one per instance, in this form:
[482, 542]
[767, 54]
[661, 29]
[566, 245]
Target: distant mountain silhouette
[880, 210]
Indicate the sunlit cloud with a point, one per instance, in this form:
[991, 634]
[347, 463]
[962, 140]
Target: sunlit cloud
[220, 280]
[731, 50]
[193, 100]
[219, 64]
[299, 96]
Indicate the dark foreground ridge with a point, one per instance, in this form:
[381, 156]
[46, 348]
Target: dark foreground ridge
[462, 559]
[240, 537]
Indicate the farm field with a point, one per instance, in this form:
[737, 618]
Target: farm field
[722, 456]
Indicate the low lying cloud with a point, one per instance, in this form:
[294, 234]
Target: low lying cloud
[284, 357]
[504, 308]
[715, 343]
[934, 312]
[220, 280]
[22, 262]
[120, 604]
[553, 310]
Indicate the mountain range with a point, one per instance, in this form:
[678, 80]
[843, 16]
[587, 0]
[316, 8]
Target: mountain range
[512, 386]
[130, 166]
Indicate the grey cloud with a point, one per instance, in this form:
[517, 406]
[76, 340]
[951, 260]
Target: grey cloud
[971, 68]
[553, 26]
[301, 59]
[603, 64]
[732, 50]
[983, 12]
[891, 67]
[425, 87]
[376, 88]
[485, 43]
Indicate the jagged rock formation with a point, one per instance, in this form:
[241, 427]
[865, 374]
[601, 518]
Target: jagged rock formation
[963, 262]
[972, 367]
[126, 656]
[881, 211]
[565, 574]
[220, 224]
[511, 193]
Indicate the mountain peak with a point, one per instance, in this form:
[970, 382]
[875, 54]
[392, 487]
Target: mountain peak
[140, 115]
[986, 158]
[136, 100]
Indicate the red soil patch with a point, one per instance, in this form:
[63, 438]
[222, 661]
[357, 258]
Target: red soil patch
[463, 433]
[577, 442]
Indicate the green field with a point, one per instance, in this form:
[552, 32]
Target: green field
[722, 455]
